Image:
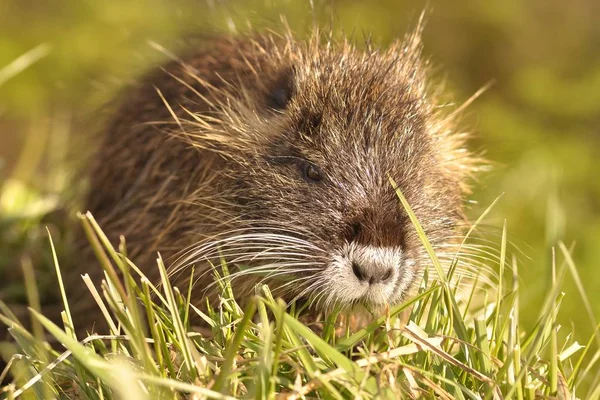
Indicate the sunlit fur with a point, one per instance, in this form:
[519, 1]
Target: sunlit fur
[203, 162]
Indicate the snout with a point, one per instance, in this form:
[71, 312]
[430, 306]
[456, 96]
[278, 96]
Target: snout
[371, 271]
[365, 274]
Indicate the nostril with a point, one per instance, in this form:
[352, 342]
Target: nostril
[387, 275]
[358, 272]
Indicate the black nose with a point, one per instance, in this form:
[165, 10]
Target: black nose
[371, 273]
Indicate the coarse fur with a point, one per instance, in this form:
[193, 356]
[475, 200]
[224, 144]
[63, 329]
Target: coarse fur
[275, 154]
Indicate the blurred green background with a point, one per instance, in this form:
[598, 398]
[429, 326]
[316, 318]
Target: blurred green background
[539, 122]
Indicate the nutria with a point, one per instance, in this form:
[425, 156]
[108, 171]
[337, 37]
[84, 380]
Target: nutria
[276, 153]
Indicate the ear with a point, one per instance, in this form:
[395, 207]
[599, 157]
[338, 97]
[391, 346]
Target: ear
[310, 123]
[281, 90]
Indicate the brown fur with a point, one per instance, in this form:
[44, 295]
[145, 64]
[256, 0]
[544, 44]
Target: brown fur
[215, 143]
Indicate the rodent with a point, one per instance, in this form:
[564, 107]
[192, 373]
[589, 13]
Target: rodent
[276, 154]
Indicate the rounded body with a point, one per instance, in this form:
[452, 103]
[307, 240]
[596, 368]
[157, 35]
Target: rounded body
[276, 155]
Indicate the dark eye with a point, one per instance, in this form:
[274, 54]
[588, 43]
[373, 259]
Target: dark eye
[311, 172]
